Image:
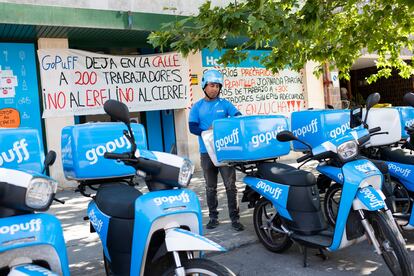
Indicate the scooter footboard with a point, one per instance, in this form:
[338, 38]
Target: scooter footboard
[178, 239]
[368, 198]
[31, 270]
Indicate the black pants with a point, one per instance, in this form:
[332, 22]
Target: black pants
[229, 179]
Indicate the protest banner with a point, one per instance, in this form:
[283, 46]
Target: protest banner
[255, 90]
[77, 82]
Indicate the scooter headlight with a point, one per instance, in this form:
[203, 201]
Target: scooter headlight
[40, 193]
[347, 150]
[186, 172]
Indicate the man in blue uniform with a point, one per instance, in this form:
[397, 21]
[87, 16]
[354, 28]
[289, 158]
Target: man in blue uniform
[202, 115]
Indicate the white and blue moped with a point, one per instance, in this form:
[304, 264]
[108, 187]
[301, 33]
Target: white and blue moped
[286, 200]
[30, 243]
[156, 233]
[399, 161]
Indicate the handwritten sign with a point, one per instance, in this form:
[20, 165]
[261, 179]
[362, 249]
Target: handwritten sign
[255, 90]
[77, 82]
[8, 82]
[9, 118]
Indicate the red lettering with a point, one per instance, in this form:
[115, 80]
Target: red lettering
[127, 95]
[239, 83]
[95, 97]
[88, 98]
[282, 88]
[250, 109]
[299, 104]
[166, 61]
[57, 101]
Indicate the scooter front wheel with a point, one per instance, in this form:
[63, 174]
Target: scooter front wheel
[267, 224]
[391, 243]
[331, 203]
[201, 267]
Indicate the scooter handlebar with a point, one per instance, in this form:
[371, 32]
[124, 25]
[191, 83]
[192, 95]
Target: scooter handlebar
[375, 129]
[303, 158]
[146, 165]
[409, 129]
[117, 156]
[364, 139]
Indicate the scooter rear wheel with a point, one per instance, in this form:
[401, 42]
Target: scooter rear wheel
[391, 244]
[201, 267]
[265, 220]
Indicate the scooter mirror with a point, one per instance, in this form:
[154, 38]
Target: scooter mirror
[409, 98]
[117, 110]
[286, 136]
[50, 158]
[372, 100]
[356, 117]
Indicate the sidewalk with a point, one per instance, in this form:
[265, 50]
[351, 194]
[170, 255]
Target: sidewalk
[84, 248]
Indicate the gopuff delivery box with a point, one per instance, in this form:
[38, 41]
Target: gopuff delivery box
[249, 138]
[388, 119]
[406, 117]
[83, 147]
[318, 126]
[208, 139]
[21, 149]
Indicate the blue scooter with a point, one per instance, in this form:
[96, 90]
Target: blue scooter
[157, 233]
[400, 162]
[30, 243]
[289, 208]
[399, 165]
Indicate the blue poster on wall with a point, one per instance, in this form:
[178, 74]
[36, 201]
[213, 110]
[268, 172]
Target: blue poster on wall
[19, 90]
[210, 59]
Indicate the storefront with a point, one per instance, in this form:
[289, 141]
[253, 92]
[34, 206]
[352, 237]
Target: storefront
[82, 56]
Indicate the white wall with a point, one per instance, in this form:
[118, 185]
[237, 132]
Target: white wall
[177, 7]
[53, 126]
[314, 95]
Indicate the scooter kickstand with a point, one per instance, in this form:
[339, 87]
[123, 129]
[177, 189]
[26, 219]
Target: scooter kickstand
[322, 254]
[305, 256]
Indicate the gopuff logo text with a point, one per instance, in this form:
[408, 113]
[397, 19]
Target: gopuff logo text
[374, 202]
[276, 192]
[96, 223]
[398, 169]
[18, 151]
[365, 168]
[310, 128]
[233, 139]
[118, 143]
[31, 226]
[409, 123]
[183, 197]
[266, 137]
[41, 270]
[339, 130]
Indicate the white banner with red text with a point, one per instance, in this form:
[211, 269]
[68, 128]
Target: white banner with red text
[76, 82]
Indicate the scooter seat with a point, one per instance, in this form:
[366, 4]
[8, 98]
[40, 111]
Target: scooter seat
[381, 165]
[285, 174]
[397, 155]
[117, 200]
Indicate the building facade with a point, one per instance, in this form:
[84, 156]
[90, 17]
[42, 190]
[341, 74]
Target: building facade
[121, 28]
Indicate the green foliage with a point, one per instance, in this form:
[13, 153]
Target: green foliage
[297, 31]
